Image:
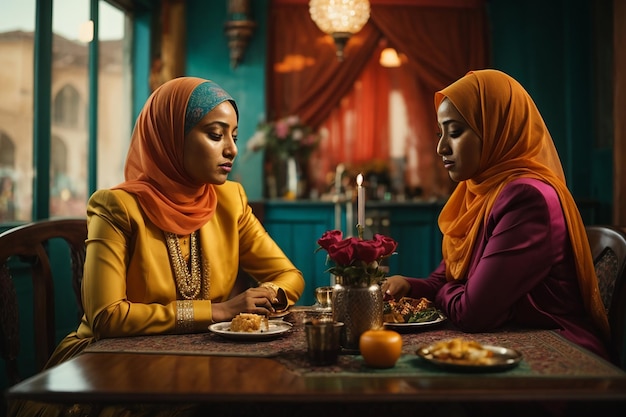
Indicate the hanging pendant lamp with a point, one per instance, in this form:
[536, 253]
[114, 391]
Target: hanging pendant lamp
[340, 19]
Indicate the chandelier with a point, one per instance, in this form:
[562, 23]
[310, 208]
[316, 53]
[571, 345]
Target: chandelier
[340, 19]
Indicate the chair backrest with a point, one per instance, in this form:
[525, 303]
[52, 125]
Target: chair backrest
[29, 245]
[608, 248]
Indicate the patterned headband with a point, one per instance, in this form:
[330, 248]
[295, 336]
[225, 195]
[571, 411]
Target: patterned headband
[203, 99]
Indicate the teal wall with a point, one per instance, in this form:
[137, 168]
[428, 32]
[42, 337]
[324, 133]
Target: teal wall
[142, 24]
[208, 56]
[549, 47]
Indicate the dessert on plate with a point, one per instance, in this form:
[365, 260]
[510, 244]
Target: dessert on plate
[249, 322]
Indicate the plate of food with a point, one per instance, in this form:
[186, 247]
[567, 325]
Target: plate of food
[247, 326]
[411, 314]
[416, 325]
[467, 355]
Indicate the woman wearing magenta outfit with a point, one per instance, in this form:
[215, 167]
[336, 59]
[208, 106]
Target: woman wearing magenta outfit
[515, 250]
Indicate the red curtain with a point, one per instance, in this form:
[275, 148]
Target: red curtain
[357, 100]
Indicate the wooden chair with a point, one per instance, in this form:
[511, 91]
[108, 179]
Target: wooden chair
[29, 245]
[608, 248]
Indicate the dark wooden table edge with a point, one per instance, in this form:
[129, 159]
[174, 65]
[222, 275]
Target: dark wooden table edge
[417, 390]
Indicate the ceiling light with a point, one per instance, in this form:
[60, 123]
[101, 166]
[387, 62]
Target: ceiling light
[389, 58]
[340, 19]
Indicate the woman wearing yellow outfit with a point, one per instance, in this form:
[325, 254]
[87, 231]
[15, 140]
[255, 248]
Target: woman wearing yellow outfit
[164, 247]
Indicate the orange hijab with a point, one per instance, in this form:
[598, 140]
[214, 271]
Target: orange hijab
[154, 169]
[516, 143]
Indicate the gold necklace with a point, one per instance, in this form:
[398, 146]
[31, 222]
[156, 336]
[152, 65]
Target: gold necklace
[189, 280]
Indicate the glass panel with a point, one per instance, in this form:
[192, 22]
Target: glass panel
[114, 95]
[69, 106]
[17, 25]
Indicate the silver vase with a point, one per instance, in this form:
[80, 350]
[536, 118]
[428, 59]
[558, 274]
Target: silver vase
[359, 307]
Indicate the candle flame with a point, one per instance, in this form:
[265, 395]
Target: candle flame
[359, 180]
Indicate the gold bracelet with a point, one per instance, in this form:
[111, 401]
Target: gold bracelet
[184, 315]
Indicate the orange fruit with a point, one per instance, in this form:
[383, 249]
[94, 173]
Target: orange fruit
[380, 348]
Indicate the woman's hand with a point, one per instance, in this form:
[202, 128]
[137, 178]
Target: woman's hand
[395, 287]
[254, 300]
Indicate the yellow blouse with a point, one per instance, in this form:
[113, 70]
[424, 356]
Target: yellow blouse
[128, 286]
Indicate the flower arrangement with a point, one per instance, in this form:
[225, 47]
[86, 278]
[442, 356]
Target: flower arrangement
[357, 261]
[285, 137]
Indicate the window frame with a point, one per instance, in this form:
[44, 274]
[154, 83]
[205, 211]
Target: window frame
[141, 14]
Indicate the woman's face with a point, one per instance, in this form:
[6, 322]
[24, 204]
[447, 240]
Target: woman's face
[459, 145]
[210, 147]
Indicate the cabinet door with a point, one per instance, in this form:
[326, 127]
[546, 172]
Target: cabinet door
[296, 227]
[415, 229]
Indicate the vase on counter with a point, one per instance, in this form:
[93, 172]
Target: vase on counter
[285, 177]
[359, 306]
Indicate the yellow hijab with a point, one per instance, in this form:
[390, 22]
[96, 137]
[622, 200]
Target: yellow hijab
[516, 143]
[154, 170]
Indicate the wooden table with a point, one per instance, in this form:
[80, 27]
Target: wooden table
[273, 378]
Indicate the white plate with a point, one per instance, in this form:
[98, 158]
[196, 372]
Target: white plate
[414, 326]
[502, 359]
[276, 328]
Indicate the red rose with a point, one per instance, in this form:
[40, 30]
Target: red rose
[342, 252]
[330, 237]
[355, 259]
[368, 250]
[388, 243]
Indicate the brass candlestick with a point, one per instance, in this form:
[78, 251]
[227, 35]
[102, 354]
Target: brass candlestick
[359, 230]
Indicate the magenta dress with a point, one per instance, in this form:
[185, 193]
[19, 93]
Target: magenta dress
[522, 272]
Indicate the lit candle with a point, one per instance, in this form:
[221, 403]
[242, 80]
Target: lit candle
[360, 201]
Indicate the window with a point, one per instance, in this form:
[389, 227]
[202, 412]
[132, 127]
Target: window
[73, 133]
[114, 96]
[7, 153]
[63, 189]
[66, 107]
[17, 25]
[70, 101]
[7, 178]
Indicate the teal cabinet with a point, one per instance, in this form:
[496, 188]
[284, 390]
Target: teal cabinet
[297, 225]
[414, 227]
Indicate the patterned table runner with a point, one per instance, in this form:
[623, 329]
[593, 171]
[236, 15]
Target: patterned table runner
[545, 353]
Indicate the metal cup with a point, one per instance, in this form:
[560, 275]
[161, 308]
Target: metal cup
[322, 338]
[324, 295]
